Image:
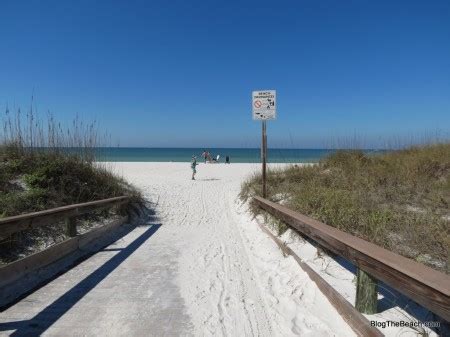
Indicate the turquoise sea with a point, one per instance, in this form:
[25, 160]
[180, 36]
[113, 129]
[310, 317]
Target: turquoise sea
[123, 154]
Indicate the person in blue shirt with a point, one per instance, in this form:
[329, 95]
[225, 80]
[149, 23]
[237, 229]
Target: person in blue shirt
[193, 165]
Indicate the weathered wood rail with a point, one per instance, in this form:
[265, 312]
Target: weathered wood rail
[21, 222]
[357, 321]
[422, 284]
[16, 277]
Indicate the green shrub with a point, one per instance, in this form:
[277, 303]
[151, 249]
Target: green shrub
[57, 180]
[45, 167]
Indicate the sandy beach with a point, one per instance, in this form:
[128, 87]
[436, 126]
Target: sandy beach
[232, 278]
[199, 266]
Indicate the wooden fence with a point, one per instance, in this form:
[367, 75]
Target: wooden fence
[19, 223]
[422, 284]
[11, 274]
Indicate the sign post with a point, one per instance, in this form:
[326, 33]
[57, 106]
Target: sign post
[264, 158]
[264, 108]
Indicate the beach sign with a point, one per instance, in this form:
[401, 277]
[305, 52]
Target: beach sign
[264, 104]
[264, 107]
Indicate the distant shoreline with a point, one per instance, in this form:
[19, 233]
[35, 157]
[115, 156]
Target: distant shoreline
[179, 163]
[236, 155]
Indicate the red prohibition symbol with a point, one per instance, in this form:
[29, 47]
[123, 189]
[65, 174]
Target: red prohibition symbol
[257, 104]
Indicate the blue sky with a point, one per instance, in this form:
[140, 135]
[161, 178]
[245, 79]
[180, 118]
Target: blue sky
[180, 73]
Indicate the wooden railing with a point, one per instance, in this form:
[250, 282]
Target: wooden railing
[14, 280]
[22, 222]
[422, 284]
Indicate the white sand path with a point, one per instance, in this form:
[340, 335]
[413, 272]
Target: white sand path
[208, 270]
[233, 279]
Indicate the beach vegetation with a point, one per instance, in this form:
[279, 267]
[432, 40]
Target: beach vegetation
[44, 165]
[396, 199]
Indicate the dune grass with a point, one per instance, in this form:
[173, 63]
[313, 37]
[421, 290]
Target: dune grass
[40, 180]
[398, 200]
[44, 165]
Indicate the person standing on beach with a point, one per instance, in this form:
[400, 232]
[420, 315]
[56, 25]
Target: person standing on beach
[193, 165]
[227, 159]
[205, 155]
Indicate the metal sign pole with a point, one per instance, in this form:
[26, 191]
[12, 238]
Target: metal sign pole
[264, 108]
[264, 158]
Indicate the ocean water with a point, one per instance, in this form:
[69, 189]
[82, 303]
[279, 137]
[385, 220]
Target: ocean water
[123, 154]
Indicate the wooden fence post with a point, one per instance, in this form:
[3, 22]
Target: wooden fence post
[366, 293]
[71, 227]
[123, 209]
